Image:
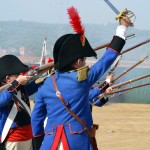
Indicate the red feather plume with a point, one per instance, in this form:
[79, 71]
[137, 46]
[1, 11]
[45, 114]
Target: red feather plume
[75, 20]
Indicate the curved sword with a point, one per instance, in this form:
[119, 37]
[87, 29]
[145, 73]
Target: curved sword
[125, 12]
[112, 6]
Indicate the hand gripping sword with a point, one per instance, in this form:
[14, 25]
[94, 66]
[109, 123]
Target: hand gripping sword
[123, 13]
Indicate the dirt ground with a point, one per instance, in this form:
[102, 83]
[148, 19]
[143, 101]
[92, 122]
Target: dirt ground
[123, 126]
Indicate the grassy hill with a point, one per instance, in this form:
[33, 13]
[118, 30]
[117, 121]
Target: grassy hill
[15, 34]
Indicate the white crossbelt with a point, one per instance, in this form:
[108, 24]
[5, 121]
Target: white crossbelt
[12, 116]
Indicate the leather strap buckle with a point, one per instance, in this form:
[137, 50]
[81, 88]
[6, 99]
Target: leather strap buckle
[58, 93]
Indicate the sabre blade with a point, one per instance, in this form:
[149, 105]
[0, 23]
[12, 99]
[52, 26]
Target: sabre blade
[112, 6]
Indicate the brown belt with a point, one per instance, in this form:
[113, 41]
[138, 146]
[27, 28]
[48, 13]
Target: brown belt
[58, 94]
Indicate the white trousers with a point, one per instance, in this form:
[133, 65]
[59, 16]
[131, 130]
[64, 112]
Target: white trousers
[21, 145]
[60, 147]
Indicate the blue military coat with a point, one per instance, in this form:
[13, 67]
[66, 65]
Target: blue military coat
[93, 97]
[22, 118]
[76, 96]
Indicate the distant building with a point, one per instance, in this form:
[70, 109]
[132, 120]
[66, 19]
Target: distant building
[29, 59]
[21, 51]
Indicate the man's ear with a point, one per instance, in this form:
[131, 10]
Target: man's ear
[77, 63]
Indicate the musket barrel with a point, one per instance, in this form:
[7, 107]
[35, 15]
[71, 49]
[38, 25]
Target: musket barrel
[115, 64]
[107, 44]
[120, 90]
[130, 36]
[37, 71]
[45, 67]
[130, 81]
[100, 47]
[127, 89]
[133, 47]
[139, 62]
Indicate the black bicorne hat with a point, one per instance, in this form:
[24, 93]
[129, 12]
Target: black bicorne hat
[71, 47]
[57, 47]
[9, 65]
[70, 50]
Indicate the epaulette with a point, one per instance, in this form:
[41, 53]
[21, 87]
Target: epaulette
[52, 71]
[82, 73]
[42, 78]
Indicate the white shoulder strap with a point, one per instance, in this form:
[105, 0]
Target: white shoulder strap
[9, 122]
[12, 116]
[23, 103]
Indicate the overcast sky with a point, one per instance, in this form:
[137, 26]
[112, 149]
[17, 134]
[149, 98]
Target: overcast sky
[91, 11]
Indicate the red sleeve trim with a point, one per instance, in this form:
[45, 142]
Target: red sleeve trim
[113, 50]
[38, 135]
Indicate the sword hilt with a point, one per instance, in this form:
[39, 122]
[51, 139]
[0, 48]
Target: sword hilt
[124, 13]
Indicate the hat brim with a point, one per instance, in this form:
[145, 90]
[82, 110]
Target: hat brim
[9, 65]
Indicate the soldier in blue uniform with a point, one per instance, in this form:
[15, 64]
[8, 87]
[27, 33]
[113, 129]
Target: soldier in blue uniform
[15, 122]
[97, 101]
[98, 93]
[68, 89]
